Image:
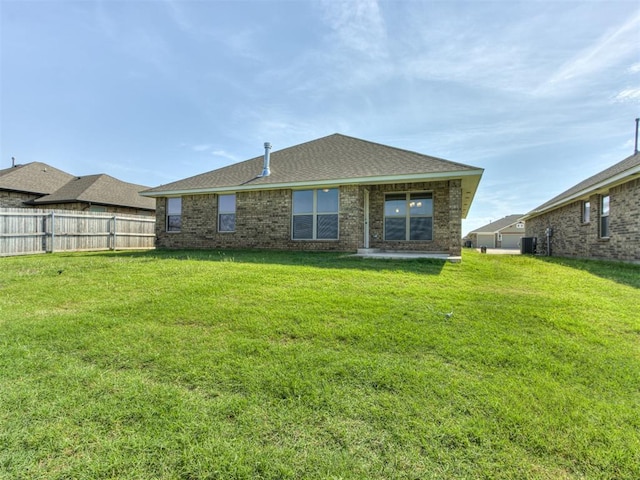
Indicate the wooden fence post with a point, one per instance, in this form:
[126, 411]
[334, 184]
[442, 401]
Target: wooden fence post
[114, 230]
[53, 232]
[44, 233]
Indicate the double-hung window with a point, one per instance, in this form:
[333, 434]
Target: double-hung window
[604, 216]
[227, 213]
[408, 216]
[174, 214]
[315, 214]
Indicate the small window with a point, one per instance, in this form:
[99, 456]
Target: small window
[174, 214]
[408, 216]
[227, 213]
[586, 212]
[97, 209]
[604, 216]
[315, 214]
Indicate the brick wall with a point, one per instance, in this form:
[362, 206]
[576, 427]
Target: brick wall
[447, 224]
[10, 199]
[573, 238]
[263, 220]
[84, 207]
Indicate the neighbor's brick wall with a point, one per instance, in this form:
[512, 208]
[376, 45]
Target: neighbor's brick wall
[572, 238]
[263, 221]
[15, 199]
[83, 207]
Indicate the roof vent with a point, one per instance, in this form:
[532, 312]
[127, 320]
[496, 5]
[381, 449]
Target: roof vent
[266, 170]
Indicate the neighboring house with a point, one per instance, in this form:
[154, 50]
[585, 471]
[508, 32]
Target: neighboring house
[597, 218]
[335, 193]
[40, 185]
[98, 193]
[23, 183]
[504, 233]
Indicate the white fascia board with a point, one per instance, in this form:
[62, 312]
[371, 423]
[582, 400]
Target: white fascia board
[471, 184]
[320, 183]
[605, 184]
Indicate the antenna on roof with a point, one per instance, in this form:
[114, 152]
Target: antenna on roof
[635, 149]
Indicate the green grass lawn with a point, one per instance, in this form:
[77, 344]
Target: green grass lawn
[189, 365]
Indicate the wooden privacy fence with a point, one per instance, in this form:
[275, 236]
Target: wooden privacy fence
[24, 231]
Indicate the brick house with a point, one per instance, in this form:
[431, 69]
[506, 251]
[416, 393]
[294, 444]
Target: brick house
[23, 183]
[38, 185]
[504, 233]
[336, 193]
[597, 218]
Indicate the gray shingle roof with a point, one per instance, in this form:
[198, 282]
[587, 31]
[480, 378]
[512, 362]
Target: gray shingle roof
[498, 225]
[34, 177]
[613, 174]
[336, 158]
[99, 189]
[325, 159]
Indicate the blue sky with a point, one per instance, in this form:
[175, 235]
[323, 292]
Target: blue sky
[541, 94]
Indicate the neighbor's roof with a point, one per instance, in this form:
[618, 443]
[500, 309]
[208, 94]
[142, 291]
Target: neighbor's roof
[99, 189]
[333, 160]
[495, 227]
[621, 172]
[34, 177]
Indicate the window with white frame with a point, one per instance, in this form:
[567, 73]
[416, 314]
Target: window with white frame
[604, 216]
[227, 213]
[408, 216]
[315, 214]
[174, 214]
[586, 212]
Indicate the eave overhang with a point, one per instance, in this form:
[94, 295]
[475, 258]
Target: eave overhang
[470, 180]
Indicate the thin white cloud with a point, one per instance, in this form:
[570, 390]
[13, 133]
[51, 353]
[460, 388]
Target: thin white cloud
[178, 15]
[145, 44]
[201, 147]
[358, 25]
[628, 95]
[209, 149]
[224, 154]
[610, 49]
[245, 43]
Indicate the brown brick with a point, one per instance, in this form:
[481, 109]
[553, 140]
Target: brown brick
[263, 220]
[572, 238]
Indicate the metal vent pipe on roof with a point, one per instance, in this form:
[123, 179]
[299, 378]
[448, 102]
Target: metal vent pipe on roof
[266, 170]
